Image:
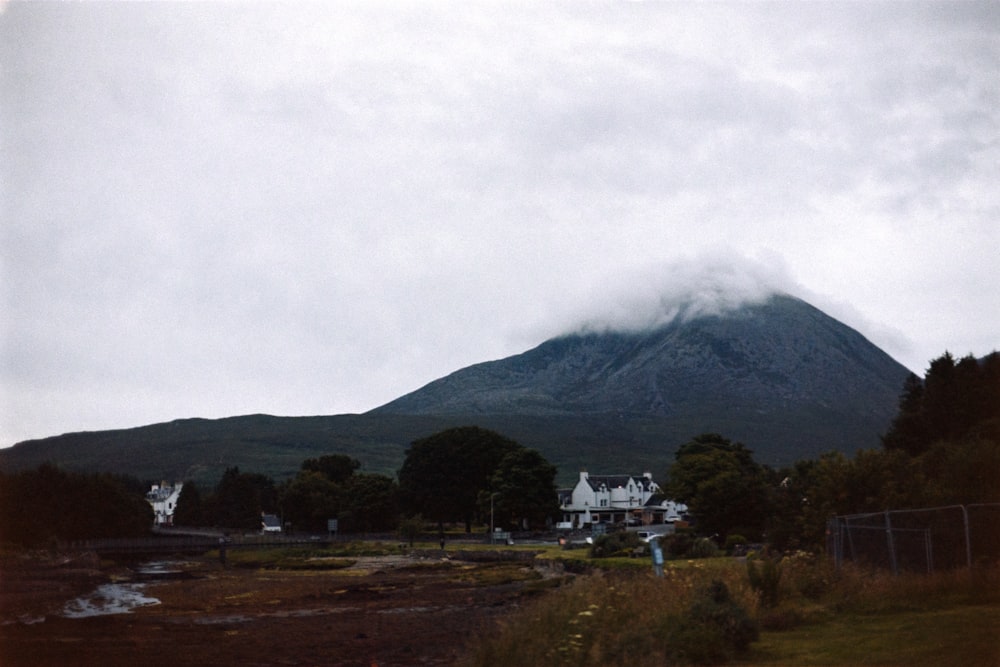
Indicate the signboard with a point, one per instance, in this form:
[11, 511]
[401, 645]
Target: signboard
[331, 525]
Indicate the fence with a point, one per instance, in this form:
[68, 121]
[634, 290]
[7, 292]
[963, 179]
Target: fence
[921, 540]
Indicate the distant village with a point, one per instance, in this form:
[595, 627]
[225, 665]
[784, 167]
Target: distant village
[629, 500]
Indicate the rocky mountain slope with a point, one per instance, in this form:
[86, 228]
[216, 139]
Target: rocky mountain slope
[768, 358]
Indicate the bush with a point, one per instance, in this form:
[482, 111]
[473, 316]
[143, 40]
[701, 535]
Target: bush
[713, 629]
[615, 544]
[807, 576]
[411, 528]
[677, 545]
[703, 547]
[733, 541]
[765, 579]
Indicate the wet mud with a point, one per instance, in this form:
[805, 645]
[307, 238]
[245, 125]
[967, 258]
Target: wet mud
[390, 611]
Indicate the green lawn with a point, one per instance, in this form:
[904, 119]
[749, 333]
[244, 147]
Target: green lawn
[967, 635]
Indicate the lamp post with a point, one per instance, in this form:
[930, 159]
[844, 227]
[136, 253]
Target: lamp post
[492, 533]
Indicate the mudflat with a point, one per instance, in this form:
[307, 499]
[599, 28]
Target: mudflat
[386, 611]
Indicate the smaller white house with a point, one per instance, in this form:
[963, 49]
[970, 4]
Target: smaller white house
[163, 498]
[270, 523]
[631, 499]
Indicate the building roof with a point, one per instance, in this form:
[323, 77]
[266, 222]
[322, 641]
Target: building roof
[614, 481]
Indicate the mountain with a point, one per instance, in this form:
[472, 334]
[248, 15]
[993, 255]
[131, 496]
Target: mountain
[781, 376]
[779, 355]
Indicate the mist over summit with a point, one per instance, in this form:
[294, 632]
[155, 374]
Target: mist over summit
[676, 291]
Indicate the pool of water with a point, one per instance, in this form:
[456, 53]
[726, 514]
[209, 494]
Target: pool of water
[115, 598]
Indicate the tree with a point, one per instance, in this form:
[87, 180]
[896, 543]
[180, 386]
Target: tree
[907, 432]
[948, 425]
[952, 402]
[309, 500]
[442, 474]
[40, 506]
[189, 510]
[965, 471]
[525, 489]
[336, 467]
[237, 500]
[721, 484]
[370, 503]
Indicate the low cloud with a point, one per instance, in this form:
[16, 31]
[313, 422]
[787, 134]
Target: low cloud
[679, 289]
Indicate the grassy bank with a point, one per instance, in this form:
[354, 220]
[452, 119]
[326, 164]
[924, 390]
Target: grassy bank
[815, 616]
[964, 635]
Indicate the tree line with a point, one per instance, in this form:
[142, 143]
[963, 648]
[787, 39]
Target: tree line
[458, 475]
[47, 505]
[942, 448]
[466, 475]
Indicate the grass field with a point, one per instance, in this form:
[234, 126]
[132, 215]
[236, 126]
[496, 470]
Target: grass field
[623, 615]
[966, 635]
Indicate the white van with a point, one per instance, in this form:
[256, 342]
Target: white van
[646, 534]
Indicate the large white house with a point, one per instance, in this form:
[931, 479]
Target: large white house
[163, 498]
[617, 498]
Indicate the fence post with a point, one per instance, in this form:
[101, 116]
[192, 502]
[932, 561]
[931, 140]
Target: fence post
[929, 549]
[850, 539]
[891, 543]
[968, 541]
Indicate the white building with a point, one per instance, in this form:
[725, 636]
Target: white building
[634, 499]
[163, 498]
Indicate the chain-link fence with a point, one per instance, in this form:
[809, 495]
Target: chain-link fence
[921, 540]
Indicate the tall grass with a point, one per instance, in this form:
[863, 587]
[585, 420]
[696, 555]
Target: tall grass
[606, 618]
[633, 618]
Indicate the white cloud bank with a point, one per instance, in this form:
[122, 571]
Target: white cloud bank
[218, 209]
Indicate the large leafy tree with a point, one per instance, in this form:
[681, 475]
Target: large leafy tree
[443, 474]
[370, 503]
[725, 489]
[329, 488]
[190, 510]
[309, 500]
[338, 468]
[523, 489]
[238, 500]
[47, 504]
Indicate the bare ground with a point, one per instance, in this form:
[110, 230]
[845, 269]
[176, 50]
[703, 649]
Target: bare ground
[382, 611]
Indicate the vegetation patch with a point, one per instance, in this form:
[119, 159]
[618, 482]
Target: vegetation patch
[709, 612]
[286, 559]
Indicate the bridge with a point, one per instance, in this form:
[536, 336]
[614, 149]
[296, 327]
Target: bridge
[164, 545]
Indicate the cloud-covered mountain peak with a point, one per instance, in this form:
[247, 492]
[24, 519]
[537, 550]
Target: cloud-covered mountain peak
[679, 292]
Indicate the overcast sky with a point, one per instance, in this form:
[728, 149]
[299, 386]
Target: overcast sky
[219, 209]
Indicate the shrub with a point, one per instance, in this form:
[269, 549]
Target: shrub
[411, 528]
[615, 544]
[677, 545]
[733, 541]
[807, 576]
[703, 547]
[713, 629]
[765, 579]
